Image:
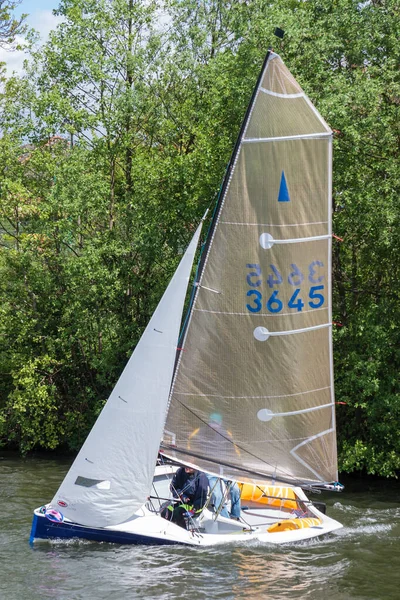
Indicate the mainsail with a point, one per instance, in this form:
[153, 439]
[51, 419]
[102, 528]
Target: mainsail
[112, 475]
[253, 391]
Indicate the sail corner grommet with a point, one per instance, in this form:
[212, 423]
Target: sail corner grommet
[266, 241]
[261, 334]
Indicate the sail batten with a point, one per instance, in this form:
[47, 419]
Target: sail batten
[304, 330]
[253, 397]
[278, 95]
[286, 138]
[300, 240]
[236, 376]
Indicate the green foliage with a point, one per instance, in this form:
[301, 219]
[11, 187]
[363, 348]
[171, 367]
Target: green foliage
[10, 27]
[33, 419]
[148, 107]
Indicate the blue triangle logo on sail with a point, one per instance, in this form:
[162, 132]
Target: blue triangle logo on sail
[283, 195]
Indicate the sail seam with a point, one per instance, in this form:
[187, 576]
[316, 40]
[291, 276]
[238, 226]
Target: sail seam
[254, 397]
[244, 314]
[283, 138]
[273, 224]
[278, 95]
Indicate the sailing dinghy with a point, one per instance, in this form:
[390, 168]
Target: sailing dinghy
[255, 355]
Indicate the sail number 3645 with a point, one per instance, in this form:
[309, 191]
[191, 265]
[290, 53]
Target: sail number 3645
[274, 303]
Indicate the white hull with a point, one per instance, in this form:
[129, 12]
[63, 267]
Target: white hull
[208, 532]
[226, 531]
[147, 527]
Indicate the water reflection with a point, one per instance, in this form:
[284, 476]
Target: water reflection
[50, 586]
[295, 573]
[271, 574]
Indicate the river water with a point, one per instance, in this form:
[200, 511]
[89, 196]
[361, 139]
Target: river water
[360, 561]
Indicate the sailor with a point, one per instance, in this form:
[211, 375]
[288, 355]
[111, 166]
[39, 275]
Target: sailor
[189, 487]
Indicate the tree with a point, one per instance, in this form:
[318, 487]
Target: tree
[10, 26]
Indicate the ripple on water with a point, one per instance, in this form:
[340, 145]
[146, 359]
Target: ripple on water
[365, 522]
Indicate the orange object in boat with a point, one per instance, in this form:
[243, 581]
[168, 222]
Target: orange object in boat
[272, 495]
[291, 524]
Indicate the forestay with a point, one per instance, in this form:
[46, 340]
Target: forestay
[253, 393]
[113, 472]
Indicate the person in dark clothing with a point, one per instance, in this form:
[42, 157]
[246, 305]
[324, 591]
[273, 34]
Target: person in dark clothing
[190, 488]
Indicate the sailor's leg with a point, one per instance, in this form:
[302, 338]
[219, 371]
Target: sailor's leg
[177, 515]
[235, 500]
[217, 495]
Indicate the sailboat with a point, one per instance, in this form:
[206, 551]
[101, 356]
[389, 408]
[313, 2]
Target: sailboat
[255, 354]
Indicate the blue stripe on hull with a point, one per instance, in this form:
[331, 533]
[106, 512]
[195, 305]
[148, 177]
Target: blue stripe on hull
[42, 528]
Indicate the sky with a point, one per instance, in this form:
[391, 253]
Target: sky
[41, 19]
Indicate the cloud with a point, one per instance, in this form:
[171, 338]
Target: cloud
[43, 21]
